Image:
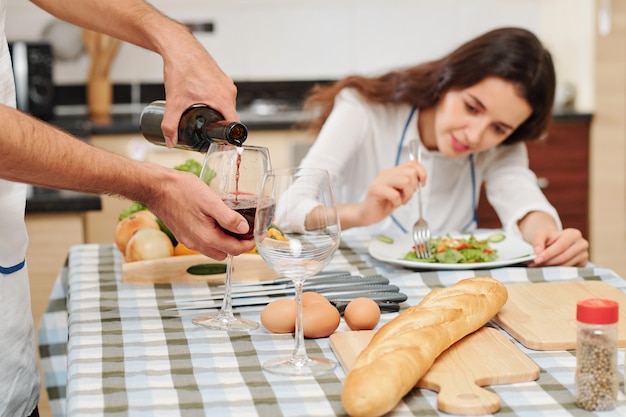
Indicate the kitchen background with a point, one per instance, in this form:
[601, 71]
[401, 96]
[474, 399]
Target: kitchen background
[278, 40]
[292, 44]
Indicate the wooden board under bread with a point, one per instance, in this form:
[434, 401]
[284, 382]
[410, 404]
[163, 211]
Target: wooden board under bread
[542, 316]
[485, 355]
[246, 268]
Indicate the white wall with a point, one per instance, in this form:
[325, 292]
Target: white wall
[262, 40]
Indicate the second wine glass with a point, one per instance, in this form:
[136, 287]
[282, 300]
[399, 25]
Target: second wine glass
[235, 174]
[299, 202]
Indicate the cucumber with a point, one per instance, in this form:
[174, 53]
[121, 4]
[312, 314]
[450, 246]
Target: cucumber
[496, 237]
[384, 239]
[207, 269]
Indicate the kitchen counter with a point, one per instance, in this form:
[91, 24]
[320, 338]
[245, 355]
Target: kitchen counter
[123, 123]
[260, 119]
[45, 200]
[129, 122]
[261, 106]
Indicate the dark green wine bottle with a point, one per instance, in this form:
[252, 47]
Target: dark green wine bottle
[198, 127]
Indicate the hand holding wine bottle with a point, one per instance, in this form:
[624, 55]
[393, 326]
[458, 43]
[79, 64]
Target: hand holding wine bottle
[199, 126]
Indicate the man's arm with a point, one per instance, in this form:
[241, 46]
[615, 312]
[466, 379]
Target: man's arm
[37, 153]
[190, 74]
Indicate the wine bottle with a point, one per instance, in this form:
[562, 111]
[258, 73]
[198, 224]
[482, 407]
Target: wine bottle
[198, 127]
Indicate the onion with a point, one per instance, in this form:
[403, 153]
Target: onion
[127, 227]
[148, 244]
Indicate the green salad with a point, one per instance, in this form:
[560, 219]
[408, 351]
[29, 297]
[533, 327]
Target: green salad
[449, 250]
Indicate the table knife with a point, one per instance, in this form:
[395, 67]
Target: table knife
[284, 288]
[376, 292]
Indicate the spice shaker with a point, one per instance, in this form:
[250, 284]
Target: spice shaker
[597, 376]
[199, 126]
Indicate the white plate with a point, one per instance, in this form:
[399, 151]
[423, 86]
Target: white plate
[511, 251]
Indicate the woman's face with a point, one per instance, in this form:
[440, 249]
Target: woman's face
[476, 118]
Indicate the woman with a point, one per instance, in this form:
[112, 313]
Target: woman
[471, 111]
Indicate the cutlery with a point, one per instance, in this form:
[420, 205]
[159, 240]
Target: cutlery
[322, 282]
[376, 293]
[421, 231]
[288, 290]
[385, 306]
[284, 284]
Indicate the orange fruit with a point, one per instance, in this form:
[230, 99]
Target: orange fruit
[181, 250]
[252, 251]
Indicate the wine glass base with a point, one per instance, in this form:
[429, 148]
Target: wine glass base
[310, 366]
[229, 324]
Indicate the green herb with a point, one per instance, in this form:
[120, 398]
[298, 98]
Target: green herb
[168, 232]
[190, 165]
[193, 166]
[132, 209]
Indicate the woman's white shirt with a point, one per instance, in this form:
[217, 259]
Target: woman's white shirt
[360, 139]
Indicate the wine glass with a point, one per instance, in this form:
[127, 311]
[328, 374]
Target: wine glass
[299, 202]
[236, 174]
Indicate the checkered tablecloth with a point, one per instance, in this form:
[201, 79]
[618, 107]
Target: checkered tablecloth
[112, 349]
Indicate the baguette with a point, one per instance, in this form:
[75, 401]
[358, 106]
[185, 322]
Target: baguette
[403, 350]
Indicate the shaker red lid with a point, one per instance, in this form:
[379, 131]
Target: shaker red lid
[597, 311]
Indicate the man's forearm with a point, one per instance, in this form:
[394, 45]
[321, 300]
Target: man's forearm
[133, 21]
[39, 154]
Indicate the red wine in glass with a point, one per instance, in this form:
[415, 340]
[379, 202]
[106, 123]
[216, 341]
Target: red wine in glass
[244, 204]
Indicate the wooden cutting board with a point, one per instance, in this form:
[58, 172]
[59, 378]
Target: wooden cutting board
[246, 268]
[485, 357]
[542, 316]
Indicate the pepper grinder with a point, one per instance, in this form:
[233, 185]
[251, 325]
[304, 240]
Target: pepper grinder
[597, 376]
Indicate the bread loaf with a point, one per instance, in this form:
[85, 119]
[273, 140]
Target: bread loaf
[403, 350]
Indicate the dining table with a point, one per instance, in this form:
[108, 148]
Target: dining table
[111, 348]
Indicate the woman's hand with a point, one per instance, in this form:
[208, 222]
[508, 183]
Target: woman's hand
[566, 248]
[391, 189]
[553, 246]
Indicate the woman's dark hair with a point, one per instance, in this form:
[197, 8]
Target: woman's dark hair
[512, 54]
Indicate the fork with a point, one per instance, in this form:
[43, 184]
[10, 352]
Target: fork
[421, 231]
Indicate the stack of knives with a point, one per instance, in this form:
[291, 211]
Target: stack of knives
[338, 287]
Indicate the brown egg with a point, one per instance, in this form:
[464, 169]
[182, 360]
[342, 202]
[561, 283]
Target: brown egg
[309, 298]
[279, 316]
[362, 314]
[320, 319]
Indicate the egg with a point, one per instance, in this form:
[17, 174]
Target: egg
[320, 319]
[279, 316]
[310, 297]
[362, 314]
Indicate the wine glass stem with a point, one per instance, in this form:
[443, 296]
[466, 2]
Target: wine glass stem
[227, 304]
[299, 352]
